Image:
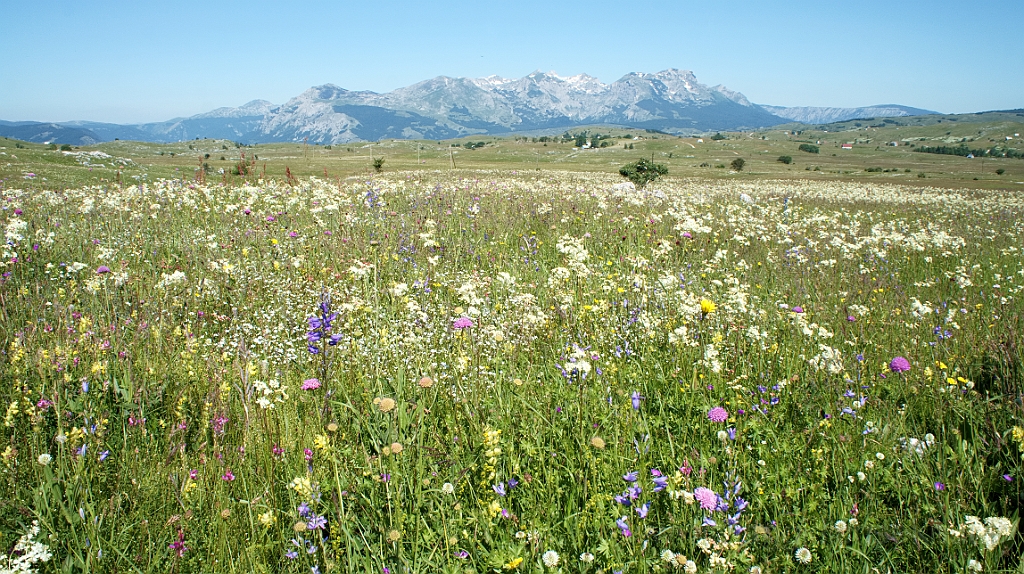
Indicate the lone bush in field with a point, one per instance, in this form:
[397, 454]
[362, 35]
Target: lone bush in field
[738, 163]
[809, 148]
[378, 164]
[786, 159]
[642, 172]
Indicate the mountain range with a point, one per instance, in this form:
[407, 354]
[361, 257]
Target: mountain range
[671, 101]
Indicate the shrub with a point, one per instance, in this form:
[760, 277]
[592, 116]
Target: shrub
[809, 148]
[718, 137]
[642, 172]
[738, 163]
[1000, 171]
[65, 147]
[786, 159]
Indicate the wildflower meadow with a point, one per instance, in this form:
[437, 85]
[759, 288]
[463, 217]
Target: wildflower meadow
[492, 371]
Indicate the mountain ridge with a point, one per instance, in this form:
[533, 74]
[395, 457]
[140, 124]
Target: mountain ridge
[672, 101]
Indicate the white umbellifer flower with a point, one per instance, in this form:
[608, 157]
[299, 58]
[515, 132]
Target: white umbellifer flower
[803, 555]
[44, 459]
[691, 567]
[974, 565]
[840, 527]
[667, 555]
[26, 553]
[550, 558]
[586, 557]
[448, 488]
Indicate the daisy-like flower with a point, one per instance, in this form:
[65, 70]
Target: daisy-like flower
[803, 555]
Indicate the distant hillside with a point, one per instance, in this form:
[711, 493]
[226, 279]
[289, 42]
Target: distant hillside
[818, 115]
[40, 132]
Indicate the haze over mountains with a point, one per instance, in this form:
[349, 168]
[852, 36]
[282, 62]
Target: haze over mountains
[671, 101]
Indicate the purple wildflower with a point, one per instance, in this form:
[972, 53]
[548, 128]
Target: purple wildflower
[940, 486]
[635, 397]
[316, 522]
[718, 415]
[310, 384]
[462, 323]
[798, 309]
[707, 498]
[499, 489]
[102, 269]
[899, 365]
[631, 476]
[660, 483]
[643, 510]
[621, 523]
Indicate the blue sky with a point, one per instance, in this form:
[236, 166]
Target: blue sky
[139, 60]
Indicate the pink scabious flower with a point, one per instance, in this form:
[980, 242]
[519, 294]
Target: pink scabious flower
[798, 309]
[310, 384]
[899, 365]
[718, 415]
[462, 323]
[706, 497]
[102, 269]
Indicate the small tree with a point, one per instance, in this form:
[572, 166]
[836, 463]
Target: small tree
[809, 148]
[786, 159]
[642, 172]
[718, 137]
[738, 163]
[378, 164]
[1000, 171]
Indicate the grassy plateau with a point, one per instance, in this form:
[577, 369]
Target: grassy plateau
[519, 364]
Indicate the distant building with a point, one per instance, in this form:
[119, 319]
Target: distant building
[700, 140]
[970, 156]
[846, 146]
[894, 144]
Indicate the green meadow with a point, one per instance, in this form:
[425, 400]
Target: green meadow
[502, 359]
